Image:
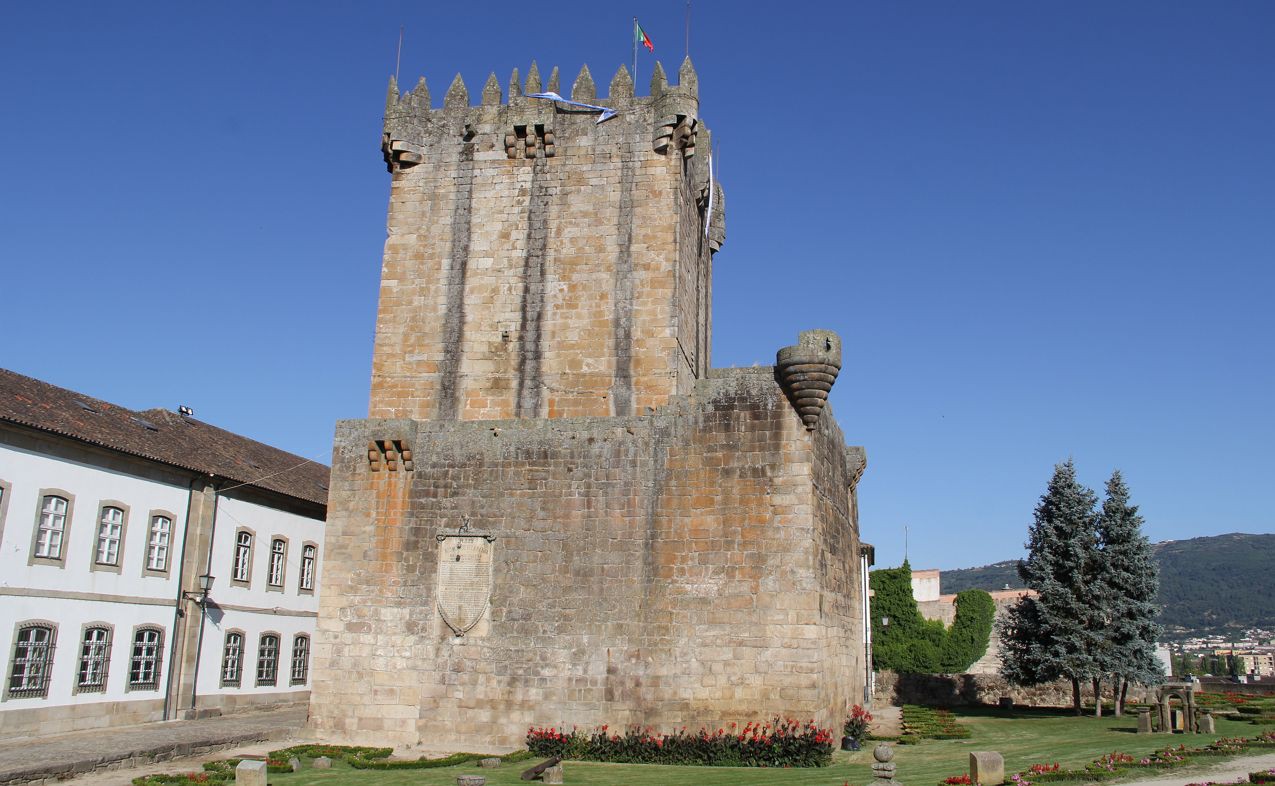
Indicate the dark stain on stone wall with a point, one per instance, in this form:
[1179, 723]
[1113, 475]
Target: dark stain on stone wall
[622, 316]
[454, 317]
[527, 404]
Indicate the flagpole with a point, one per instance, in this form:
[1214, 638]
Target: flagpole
[688, 28]
[398, 59]
[634, 37]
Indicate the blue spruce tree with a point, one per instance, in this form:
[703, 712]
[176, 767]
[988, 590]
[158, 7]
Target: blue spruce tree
[1130, 582]
[1058, 633]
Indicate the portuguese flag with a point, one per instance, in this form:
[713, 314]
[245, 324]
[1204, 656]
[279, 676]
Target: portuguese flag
[640, 37]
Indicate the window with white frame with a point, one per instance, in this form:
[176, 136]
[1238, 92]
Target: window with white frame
[278, 557]
[110, 534]
[268, 659]
[243, 556]
[32, 661]
[143, 672]
[157, 543]
[232, 660]
[308, 555]
[300, 659]
[95, 658]
[48, 539]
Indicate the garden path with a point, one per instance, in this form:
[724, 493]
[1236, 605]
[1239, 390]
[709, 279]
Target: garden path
[95, 755]
[1223, 772]
[886, 721]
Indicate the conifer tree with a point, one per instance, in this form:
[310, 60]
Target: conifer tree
[1130, 582]
[1057, 633]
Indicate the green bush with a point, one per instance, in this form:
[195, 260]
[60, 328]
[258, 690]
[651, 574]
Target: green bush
[912, 644]
[967, 640]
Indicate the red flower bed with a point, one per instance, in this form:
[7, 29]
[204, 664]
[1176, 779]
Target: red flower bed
[780, 743]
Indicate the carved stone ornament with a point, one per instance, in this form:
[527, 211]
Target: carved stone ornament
[464, 579]
[807, 370]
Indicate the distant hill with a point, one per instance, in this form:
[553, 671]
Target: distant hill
[1212, 584]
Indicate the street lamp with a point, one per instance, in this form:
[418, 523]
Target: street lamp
[205, 586]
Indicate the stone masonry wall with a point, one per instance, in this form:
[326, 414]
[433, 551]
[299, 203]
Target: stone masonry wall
[694, 565]
[952, 690]
[538, 263]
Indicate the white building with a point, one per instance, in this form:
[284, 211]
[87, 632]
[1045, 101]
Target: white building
[110, 519]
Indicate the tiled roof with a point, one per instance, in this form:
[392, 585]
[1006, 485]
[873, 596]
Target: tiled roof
[160, 435]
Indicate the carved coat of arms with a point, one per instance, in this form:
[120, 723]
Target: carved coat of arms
[464, 579]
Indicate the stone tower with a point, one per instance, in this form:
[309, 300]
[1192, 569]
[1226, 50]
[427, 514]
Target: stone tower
[557, 512]
[540, 263]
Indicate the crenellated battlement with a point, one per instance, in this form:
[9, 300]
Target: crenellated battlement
[518, 125]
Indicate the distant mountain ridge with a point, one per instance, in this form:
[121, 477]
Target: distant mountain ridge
[1210, 584]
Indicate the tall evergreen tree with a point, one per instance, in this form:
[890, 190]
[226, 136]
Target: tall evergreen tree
[1057, 633]
[1129, 582]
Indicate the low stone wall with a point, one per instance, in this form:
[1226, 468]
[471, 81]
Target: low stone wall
[231, 703]
[953, 690]
[1265, 687]
[64, 718]
[47, 773]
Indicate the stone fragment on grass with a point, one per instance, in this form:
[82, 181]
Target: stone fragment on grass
[987, 768]
[1144, 720]
[250, 773]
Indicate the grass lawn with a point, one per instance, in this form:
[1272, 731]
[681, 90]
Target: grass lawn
[1023, 737]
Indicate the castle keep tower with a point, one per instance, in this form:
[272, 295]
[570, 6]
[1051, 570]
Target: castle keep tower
[557, 512]
[540, 263]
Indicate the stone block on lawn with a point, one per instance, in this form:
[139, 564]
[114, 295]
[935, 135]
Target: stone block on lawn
[987, 768]
[489, 762]
[470, 780]
[1144, 720]
[1207, 726]
[294, 764]
[322, 763]
[552, 774]
[250, 773]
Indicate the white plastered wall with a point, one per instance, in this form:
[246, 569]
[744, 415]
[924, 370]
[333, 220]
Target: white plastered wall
[72, 593]
[258, 607]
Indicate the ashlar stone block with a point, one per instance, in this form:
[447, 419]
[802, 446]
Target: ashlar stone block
[1144, 720]
[250, 773]
[987, 768]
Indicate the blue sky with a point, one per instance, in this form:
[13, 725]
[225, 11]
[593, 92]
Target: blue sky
[1044, 230]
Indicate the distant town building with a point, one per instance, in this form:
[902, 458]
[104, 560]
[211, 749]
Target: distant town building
[112, 524]
[1256, 661]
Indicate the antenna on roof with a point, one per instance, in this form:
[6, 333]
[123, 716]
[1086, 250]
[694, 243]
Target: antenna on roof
[185, 411]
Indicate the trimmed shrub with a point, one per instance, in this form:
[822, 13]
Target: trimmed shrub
[931, 724]
[967, 640]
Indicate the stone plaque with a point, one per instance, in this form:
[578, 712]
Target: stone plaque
[464, 580]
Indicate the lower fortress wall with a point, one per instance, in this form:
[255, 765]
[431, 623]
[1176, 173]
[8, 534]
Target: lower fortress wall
[697, 565]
